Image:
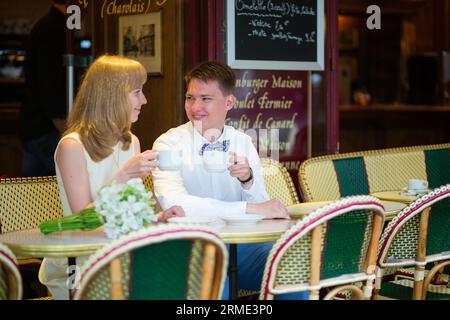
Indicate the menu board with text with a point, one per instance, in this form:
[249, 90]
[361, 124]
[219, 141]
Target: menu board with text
[275, 34]
[272, 108]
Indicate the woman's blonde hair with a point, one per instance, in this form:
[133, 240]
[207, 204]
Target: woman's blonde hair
[101, 112]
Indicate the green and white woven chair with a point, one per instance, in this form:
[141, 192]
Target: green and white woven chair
[417, 237]
[334, 176]
[278, 182]
[335, 246]
[162, 262]
[10, 279]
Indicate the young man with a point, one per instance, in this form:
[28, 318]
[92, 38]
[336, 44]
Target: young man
[240, 189]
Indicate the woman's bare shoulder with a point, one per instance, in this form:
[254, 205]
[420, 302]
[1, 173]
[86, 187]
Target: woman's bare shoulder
[70, 147]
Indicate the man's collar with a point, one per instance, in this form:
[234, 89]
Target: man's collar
[195, 132]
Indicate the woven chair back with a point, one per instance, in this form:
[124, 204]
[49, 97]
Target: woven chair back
[148, 182]
[10, 279]
[165, 262]
[399, 242]
[417, 237]
[26, 202]
[278, 182]
[334, 245]
[334, 176]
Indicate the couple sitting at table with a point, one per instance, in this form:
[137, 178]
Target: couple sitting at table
[98, 148]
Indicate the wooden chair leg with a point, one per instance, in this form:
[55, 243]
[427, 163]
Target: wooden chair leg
[216, 292]
[372, 254]
[377, 283]
[209, 259]
[316, 239]
[357, 294]
[421, 253]
[12, 286]
[116, 280]
[418, 282]
[437, 268]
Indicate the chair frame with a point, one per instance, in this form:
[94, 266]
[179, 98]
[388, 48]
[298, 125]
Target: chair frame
[215, 259]
[312, 223]
[13, 277]
[421, 206]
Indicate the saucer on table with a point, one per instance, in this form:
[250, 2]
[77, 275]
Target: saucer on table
[242, 219]
[194, 220]
[414, 192]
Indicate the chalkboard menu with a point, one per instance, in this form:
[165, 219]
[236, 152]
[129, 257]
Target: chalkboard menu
[275, 34]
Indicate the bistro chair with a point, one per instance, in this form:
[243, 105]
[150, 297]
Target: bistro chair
[333, 247]
[334, 176]
[417, 237]
[167, 262]
[278, 182]
[26, 202]
[10, 279]
[279, 186]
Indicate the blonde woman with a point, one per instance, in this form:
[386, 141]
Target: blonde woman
[98, 147]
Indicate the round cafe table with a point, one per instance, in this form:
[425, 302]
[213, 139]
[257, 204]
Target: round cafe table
[394, 195]
[32, 243]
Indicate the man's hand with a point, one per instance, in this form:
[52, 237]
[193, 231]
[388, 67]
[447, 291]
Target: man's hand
[240, 169]
[269, 209]
[175, 211]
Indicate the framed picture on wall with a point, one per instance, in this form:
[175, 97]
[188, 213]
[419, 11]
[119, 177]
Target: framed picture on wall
[140, 39]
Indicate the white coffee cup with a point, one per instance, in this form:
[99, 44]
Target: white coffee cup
[215, 161]
[169, 160]
[417, 185]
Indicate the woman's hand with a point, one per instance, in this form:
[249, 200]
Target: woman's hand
[175, 211]
[138, 166]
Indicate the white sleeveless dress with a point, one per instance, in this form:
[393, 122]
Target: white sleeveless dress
[53, 271]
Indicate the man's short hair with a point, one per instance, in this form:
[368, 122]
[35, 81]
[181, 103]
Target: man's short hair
[214, 71]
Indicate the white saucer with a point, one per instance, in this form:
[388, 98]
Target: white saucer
[195, 220]
[408, 192]
[242, 219]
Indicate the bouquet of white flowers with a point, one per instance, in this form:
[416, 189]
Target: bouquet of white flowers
[125, 207]
[121, 208]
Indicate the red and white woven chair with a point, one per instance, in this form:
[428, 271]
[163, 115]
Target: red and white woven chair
[417, 237]
[10, 279]
[334, 246]
[162, 262]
